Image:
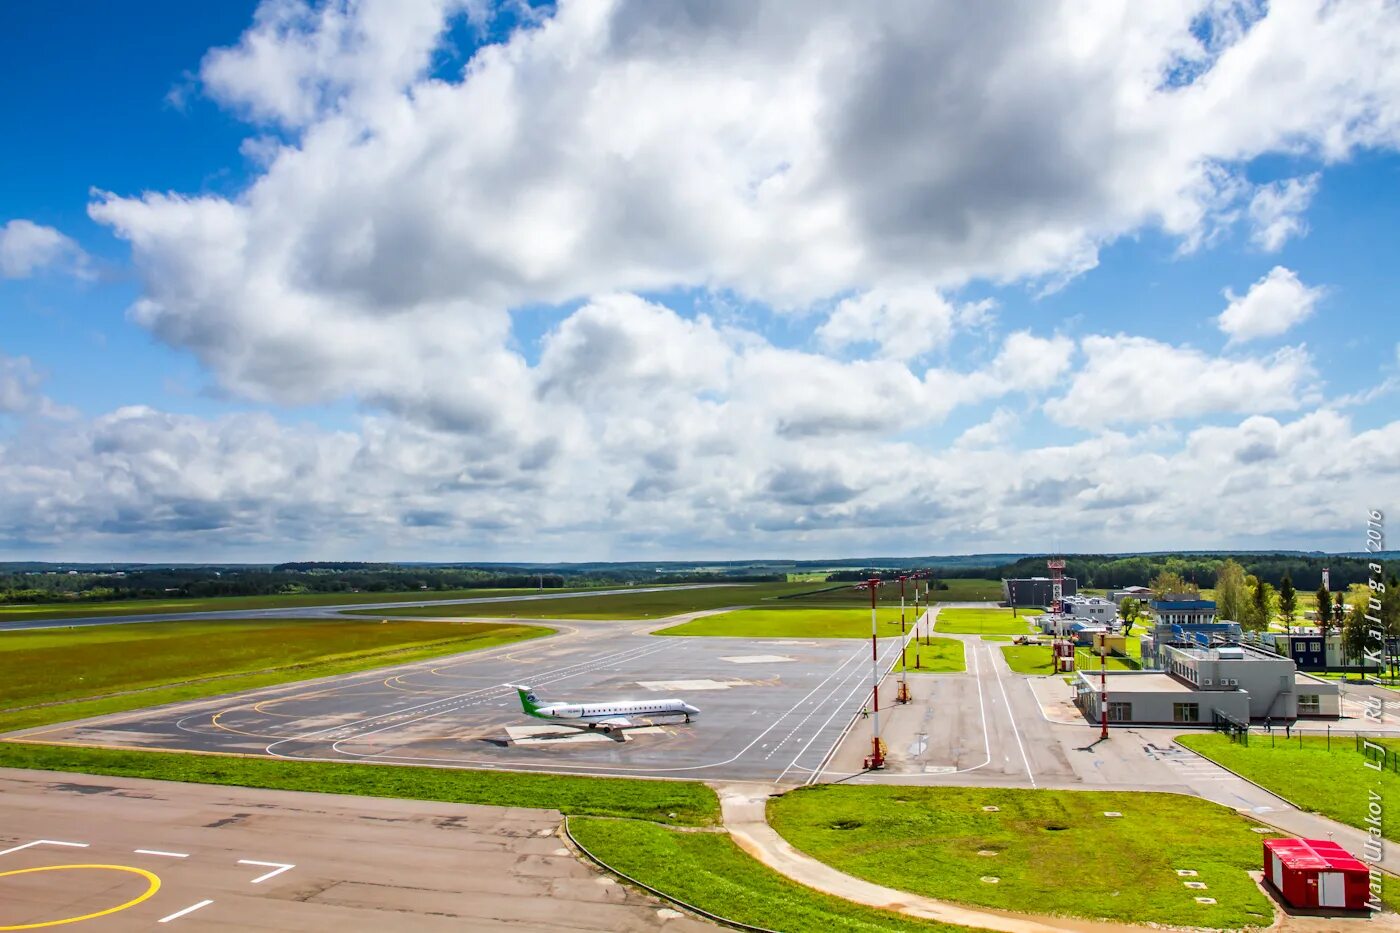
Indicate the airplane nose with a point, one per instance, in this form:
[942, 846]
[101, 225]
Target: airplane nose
[690, 709]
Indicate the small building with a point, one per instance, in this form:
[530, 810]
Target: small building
[1316, 873]
[1035, 591]
[1140, 593]
[1183, 609]
[1235, 681]
[1094, 608]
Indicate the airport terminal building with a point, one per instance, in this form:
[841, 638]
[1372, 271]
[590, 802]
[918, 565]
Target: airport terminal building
[1035, 592]
[1236, 681]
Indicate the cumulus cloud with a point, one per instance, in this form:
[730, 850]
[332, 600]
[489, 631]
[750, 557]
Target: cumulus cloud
[1136, 380]
[1276, 211]
[27, 248]
[903, 322]
[1273, 305]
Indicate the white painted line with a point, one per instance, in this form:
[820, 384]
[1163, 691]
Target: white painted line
[158, 852]
[278, 866]
[46, 842]
[188, 910]
[1011, 716]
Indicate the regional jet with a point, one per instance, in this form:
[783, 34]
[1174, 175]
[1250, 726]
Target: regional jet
[602, 716]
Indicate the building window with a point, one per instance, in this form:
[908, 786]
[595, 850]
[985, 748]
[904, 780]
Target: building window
[1120, 712]
[1317, 646]
[1309, 704]
[1186, 712]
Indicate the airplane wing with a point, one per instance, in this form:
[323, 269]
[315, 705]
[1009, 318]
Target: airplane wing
[617, 722]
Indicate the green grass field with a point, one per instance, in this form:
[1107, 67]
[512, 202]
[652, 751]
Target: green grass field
[939, 656]
[1037, 659]
[11, 612]
[791, 621]
[61, 674]
[693, 803]
[709, 871]
[655, 605]
[1333, 783]
[982, 622]
[1054, 851]
[968, 590]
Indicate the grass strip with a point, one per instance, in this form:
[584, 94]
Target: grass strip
[939, 656]
[961, 621]
[1331, 782]
[126, 667]
[678, 803]
[709, 871]
[1053, 852]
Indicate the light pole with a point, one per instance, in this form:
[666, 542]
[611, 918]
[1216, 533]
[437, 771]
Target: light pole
[1103, 684]
[877, 757]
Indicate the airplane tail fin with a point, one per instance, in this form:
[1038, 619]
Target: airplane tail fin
[528, 701]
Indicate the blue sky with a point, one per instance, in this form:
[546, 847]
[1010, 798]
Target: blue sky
[622, 264]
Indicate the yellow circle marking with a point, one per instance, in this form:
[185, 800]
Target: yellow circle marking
[152, 880]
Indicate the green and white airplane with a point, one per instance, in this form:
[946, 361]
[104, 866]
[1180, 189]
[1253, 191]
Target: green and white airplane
[604, 717]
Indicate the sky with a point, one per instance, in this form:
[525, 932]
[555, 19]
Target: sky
[635, 279]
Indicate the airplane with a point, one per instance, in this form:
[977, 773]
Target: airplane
[600, 716]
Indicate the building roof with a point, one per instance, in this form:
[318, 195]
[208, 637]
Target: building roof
[1320, 854]
[1140, 682]
[1182, 605]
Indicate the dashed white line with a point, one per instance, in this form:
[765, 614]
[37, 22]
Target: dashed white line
[278, 867]
[160, 853]
[188, 910]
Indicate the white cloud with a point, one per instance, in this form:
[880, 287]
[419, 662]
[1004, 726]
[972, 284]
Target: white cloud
[1273, 305]
[994, 432]
[903, 322]
[1276, 211]
[1135, 380]
[27, 248]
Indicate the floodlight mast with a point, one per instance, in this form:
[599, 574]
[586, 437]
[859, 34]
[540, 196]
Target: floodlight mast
[877, 757]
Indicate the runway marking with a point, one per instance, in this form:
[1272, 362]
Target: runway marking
[160, 853]
[278, 866]
[188, 910]
[1010, 715]
[152, 886]
[46, 842]
[857, 671]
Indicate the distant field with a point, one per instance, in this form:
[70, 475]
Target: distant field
[939, 656]
[1302, 769]
[981, 622]
[656, 605]
[11, 612]
[1037, 659]
[788, 622]
[968, 590]
[81, 669]
[1054, 852]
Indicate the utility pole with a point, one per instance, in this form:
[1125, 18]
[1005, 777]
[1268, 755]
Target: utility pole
[917, 617]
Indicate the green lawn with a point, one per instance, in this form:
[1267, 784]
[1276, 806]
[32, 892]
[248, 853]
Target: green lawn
[692, 803]
[996, 637]
[982, 622]
[11, 612]
[709, 871]
[1334, 783]
[791, 621]
[1055, 851]
[62, 674]
[939, 656]
[654, 605]
[968, 591]
[1037, 659]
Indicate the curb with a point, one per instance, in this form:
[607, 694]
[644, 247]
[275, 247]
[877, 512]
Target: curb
[735, 924]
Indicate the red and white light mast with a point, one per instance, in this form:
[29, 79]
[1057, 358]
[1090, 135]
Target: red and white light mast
[877, 755]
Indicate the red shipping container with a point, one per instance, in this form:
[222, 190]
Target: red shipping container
[1316, 873]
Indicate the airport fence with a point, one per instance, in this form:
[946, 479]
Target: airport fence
[1237, 730]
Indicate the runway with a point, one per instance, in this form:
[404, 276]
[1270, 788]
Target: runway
[318, 612]
[771, 708]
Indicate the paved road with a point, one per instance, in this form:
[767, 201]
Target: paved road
[314, 612]
[771, 708]
[993, 727]
[238, 859]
